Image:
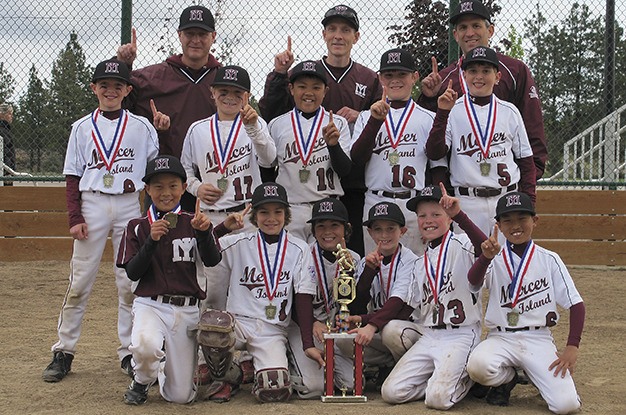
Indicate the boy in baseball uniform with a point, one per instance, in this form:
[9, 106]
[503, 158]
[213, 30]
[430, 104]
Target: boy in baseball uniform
[449, 313]
[106, 157]
[270, 272]
[330, 227]
[389, 141]
[526, 283]
[484, 139]
[380, 273]
[221, 155]
[161, 253]
[312, 146]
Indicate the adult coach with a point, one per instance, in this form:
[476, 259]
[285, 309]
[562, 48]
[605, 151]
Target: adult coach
[179, 86]
[473, 27]
[352, 88]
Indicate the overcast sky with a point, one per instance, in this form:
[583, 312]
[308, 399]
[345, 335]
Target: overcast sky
[36, 31]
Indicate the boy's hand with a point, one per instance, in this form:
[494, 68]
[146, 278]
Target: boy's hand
[79, 231]
[200, 221]
[380, 109]
[448, 98]
[349, 114]
[160, 121]
[330, 132]
[248, 115]
[158, 229]
[565, 361]
[450, 204]
[128, 52]
[316, 354]
[374, 258]
[235, 220]
[364, 335]
[319, 329]
[491, 246]
[432, 83]
[209, 194]
[284, 60]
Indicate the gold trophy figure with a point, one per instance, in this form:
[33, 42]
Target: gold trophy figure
[344, 291]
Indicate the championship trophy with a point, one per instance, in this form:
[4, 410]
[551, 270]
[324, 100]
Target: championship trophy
[344, 291]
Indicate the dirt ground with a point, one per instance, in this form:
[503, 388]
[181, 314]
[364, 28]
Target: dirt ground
[32, 293]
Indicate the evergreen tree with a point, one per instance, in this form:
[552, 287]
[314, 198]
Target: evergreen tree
[70, 95]
[32, 119]
[7, 84]
[513, 44]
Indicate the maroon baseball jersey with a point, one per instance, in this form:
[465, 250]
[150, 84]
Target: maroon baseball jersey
[174, 260]
[356, 87]
[516, 86]
[179, 92]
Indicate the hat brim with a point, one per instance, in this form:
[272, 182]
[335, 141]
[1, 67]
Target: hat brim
[233, 84]
[370, 221]
[338, 16]
[467, 63]
[147, 177]
[121, 78]
[265, 201]
[327, 217]
[293, 78]
[521, 209]
[396, 68]
[197, 26]
[412, 203]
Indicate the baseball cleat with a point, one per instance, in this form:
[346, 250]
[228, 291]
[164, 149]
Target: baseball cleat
[60, 366]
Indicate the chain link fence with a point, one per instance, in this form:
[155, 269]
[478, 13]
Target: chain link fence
[48, 51]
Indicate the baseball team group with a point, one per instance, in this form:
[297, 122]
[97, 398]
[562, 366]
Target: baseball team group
[225, 273]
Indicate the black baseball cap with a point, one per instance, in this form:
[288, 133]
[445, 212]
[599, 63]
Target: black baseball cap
[428, 193]
[269, 192]
[232, 75]
[480, 54]
[197, 16]
[385, 211]
[111, 68]
[514, 202]
[470, 7]
[164, 164]
[344, 12]
[308, 68]
[397, 60]
[329, 208]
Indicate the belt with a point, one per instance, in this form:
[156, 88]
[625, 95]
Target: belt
[444, 327]
[178, 300]
[513, 330]
[230, 209]
[394, 195]
[485, 191]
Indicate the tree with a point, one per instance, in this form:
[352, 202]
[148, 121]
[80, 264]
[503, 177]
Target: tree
[33, 118]
[70, 95]
[513, 44]
[7, 84]
[425, 32]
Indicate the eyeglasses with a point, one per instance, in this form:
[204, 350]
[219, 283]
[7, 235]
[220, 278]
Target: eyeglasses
[190, 34]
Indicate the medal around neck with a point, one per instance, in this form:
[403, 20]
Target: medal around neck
[172, 219]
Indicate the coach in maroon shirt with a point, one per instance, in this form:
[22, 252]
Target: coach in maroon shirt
[473, 27]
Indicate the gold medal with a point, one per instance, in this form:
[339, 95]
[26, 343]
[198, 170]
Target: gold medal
[435, 316]
[304, 175]
[270, 311]
[108, 180]
[222, 184]
[512, 318]
[485, 168]
[394, 158]
[172, 219]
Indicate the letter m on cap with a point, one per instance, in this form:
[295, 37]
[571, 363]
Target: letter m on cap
[270, 191]
[162, 164]
[394, 57]
[308, 66]
[196, 15]
[381, 210]
[326, 207]
[479, 52]
[112, 67]
[230, 74]
[513, 200]
[466, 7]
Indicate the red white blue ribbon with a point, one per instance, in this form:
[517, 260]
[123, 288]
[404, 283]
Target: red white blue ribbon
[271, 274]
[154, 216]
[108, 155]
[395, 131]
[435, 275]
[305, 147]
[320, 271]
[517, 273]
[483, 139]
[224, 153]
[391, 275]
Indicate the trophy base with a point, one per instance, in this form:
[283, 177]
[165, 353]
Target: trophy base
[344, 399]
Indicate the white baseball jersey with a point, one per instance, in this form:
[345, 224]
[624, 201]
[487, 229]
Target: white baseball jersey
[228, 156]
[545, 284]
[324, 304]
[392, 279]
[444, 269]
[302, 155]
[469, 167]
[265, 277]
[110, 156]
[404, 167]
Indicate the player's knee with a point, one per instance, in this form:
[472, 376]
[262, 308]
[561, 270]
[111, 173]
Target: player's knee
[392, 393]
[564, 404]
[217, 339]
[438, 400]
[148, 349]
[272, 385]
[477, 370]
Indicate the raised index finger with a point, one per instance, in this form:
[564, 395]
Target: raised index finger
[289, 43]
[133, 37]
[197, 212]
[247, 209]
[444, 192]
[154, 108]
[495, 231]
[385, 96]
[433, 62]
[330, 117]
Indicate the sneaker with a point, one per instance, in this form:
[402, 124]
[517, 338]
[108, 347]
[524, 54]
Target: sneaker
[247, 370]
[127, 366]
[202, 375]
[500, 395]
[479, 391]
[225, 393]
[59, 367]
[383, 372]
[136, 394]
